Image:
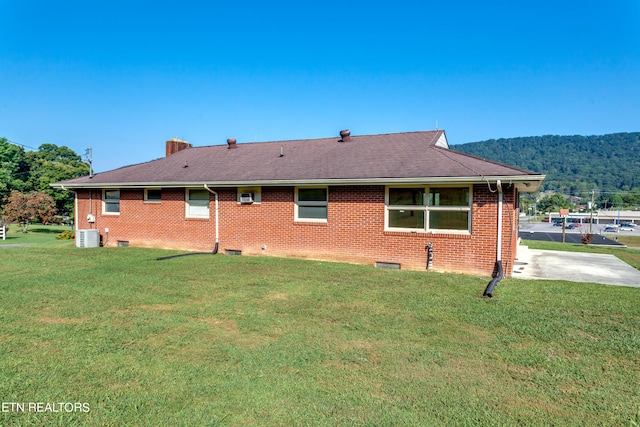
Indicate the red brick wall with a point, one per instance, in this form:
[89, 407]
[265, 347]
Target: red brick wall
[354, 231]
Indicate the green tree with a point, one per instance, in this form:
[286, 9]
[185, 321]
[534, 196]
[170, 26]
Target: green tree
[616, 201]
[632, 199]
[50, 164]
[13, 167]
[604, 201]
[553, 203]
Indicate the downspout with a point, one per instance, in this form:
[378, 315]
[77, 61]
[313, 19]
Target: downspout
[215, 249]
[500, 274]
[215, 197]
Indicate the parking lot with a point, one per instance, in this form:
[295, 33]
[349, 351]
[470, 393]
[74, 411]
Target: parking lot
[607, 230]
[574, 266]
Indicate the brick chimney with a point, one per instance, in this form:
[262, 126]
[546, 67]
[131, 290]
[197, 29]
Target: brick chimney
[174, 145]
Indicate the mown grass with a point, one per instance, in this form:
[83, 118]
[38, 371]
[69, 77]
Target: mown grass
[40, 235]
[218, 340]
[630, 241]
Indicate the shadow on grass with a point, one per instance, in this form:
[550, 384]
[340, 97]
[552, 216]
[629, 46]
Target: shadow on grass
[46, 229]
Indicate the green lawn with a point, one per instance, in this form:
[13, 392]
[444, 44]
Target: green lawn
[38, 235]
[630, 241]
[221, 340]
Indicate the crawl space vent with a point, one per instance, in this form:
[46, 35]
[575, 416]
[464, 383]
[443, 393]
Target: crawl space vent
[391, 265]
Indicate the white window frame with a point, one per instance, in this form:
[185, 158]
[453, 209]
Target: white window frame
[427, 209]
[257, 194]
[110, 201]
[196, 204]
[298, 204]
[146, 195]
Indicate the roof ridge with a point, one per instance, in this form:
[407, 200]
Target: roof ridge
[337, 137]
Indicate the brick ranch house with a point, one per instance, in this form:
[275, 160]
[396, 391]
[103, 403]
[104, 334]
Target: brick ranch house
[371, 199]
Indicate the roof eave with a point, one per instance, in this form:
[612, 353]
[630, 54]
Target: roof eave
[524, 183]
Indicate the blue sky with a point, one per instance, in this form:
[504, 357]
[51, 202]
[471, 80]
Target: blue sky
[125, 76]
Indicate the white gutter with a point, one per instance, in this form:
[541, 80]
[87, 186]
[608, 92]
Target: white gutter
[527, 184]
[216, 202]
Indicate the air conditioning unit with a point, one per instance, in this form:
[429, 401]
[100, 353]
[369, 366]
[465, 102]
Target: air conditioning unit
[87, 238]
[246, 197]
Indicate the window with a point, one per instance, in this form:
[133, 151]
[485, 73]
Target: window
[449, 208]
[428, 209]
[311, 204]
[411, 215]
[152, 195]
[197, 203]
[110, 202]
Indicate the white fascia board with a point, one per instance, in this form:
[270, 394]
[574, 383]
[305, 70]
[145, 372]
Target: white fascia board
[529, 183]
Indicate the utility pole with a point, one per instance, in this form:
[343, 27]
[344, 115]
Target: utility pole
[564, 213]
[591, 214]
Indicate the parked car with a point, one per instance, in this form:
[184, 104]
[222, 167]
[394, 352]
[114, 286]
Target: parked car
[625, 228]
[610, 228]
[574, 225]
[627, 224]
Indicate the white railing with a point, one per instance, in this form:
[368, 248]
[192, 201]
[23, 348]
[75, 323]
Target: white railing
[3, 232]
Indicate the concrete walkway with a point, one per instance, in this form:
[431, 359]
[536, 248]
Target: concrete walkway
[574, 266]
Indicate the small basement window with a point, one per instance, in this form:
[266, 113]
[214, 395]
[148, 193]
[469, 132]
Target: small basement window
[389, 265]
[152, 195]
[232, 252]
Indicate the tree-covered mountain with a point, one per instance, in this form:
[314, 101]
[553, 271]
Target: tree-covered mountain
[573, 165]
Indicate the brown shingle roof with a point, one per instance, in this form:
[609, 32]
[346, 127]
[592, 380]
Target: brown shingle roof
[381, 158]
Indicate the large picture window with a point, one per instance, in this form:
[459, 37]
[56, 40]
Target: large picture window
[197, 203]
[111, 202]
[428, 209]
[311, 204]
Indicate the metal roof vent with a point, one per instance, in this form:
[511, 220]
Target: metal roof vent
[231, 142]
[345, 135]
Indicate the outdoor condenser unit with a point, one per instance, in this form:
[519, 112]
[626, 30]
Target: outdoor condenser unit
[87, 238]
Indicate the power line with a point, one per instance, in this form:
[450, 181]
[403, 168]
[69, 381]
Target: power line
[20, 145]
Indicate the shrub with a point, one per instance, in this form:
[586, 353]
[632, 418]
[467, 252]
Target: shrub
[66, 235]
